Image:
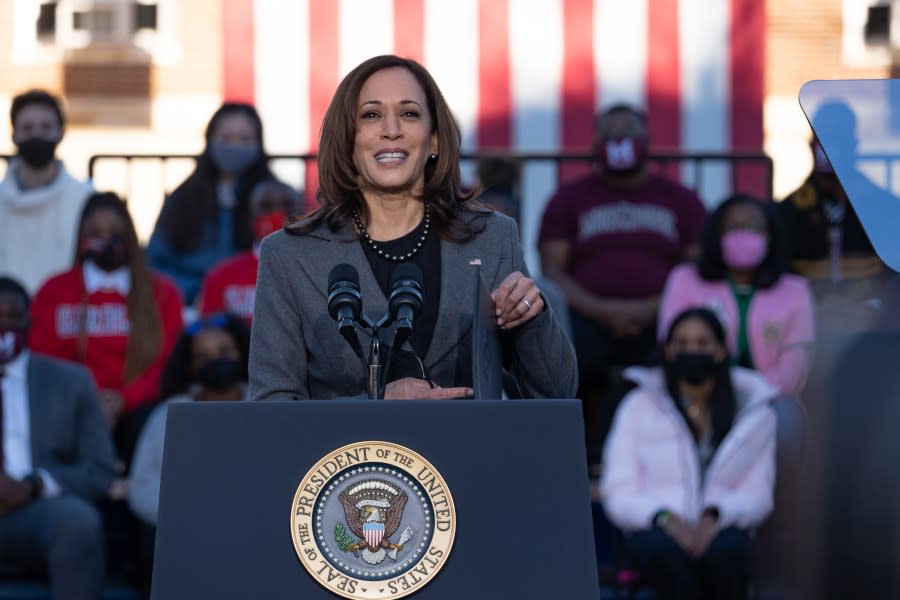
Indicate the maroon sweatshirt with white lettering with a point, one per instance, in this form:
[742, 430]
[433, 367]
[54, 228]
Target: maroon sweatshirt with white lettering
[57, 318]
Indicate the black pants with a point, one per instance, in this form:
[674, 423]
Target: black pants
[720, 574]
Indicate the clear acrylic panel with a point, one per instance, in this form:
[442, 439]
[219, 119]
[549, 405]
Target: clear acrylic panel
[857, 123]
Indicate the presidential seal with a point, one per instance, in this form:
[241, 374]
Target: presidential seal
[373, 520]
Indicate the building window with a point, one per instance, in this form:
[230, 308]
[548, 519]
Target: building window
[46, 21]
[43, 29]
[144, 17]
[869, 34]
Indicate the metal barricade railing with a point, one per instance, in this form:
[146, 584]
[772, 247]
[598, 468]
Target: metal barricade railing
[686, 166]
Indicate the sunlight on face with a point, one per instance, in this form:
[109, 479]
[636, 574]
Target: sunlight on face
[393, 133]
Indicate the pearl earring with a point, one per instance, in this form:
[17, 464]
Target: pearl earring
[433, 156]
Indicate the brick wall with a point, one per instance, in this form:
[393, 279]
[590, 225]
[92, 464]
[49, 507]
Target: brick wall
[804, 43]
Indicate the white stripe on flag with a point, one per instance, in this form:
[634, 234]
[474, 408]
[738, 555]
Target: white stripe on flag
[451, 56]
[282, 93]
[620, 52]
[365, 29]
[705, 97]
[536, 56]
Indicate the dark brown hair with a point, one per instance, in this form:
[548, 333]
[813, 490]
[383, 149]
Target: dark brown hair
[194, 203]
[145, 337]
[722, 402]
[339, 192]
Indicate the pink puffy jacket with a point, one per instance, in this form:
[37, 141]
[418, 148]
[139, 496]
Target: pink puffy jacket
[650, 461]
[780, 327]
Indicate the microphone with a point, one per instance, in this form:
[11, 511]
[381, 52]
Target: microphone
[405, 302]
[345, 302]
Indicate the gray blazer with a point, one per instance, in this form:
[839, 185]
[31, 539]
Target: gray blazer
[296, 351]
[69, 436]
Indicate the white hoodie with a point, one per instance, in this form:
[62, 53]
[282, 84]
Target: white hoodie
[38, 226]
[650, 461]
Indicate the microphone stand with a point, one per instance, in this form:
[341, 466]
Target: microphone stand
[376, 376]
[375, 366]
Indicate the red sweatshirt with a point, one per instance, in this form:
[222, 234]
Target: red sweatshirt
[231, 287]
[56, 317]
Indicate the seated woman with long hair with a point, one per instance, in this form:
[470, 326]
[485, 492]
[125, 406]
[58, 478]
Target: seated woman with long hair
[743, 277]
[112, 314]
[206, 219]
[689, 464]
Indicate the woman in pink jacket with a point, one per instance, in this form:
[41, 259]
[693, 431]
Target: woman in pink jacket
[689, 464]
[742, 277]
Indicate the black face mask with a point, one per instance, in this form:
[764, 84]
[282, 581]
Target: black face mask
[107, 253]
[220, 374]
[37, 151]
[694, 368]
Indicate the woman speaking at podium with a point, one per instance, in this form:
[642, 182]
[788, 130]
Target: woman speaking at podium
[390, 195]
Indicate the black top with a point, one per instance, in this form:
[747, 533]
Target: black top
[429, 260]
[807, 218]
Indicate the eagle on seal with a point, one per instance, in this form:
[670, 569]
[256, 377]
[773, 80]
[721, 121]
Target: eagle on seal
[373, 515]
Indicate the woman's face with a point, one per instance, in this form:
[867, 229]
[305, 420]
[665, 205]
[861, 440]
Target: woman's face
[745, 216]
[393, 133]
[105, 224]
[694, 336]
[235, 129]
[210, 344]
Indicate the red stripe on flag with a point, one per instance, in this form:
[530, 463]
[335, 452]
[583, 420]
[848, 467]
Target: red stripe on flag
[663, 82]
[578, 85]
[748, 38]
[494, 85]
[409, 29]
[323, 75]
[237, 33]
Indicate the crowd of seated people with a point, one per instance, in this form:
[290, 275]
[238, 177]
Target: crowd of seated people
[708, 305]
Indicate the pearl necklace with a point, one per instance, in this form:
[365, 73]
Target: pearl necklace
[394, 258]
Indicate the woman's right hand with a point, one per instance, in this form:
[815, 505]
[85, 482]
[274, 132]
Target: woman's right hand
[684, 534]
[411, 388]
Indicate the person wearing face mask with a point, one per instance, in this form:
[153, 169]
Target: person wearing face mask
[231, 285]
[689, 464]
[56, 460]
[207, 218]
[609, 240]
[208, 363]
[39, 199]
[742, 275]
[828, 241]
[112, 314]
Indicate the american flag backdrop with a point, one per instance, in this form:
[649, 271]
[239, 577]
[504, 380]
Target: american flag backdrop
[523, 75]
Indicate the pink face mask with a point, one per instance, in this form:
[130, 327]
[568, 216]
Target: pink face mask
[744, 249]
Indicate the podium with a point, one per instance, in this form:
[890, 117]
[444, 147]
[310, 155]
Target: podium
[515, 469]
